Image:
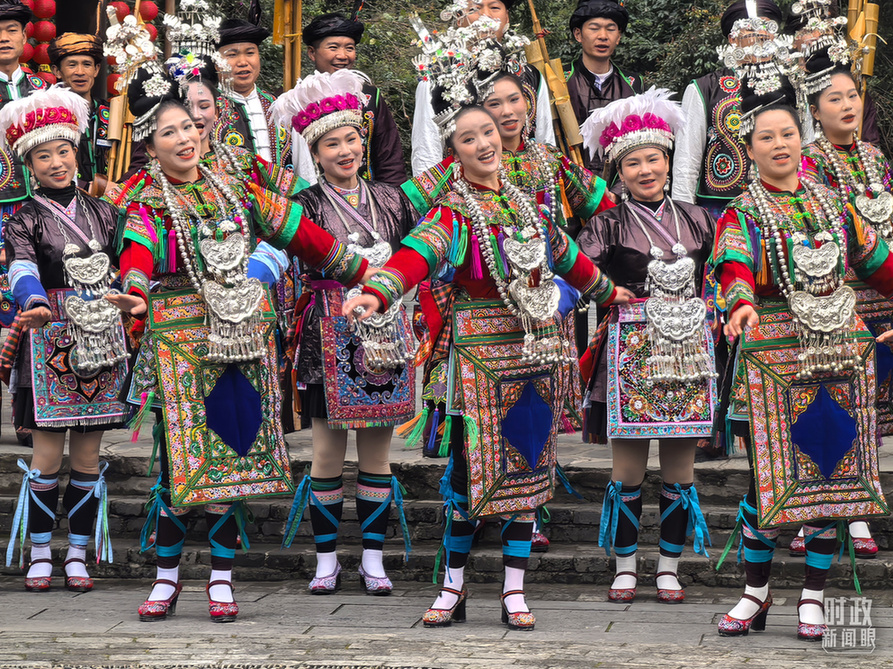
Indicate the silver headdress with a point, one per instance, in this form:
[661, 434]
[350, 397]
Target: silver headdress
[821, 38]
[462, 62]
[193, 33]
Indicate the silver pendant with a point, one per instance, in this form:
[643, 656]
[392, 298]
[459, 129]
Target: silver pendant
[540, 302]
[235, 304]
[672, 278]
[223, 256]
[233, 320]
[87, 272]
[824, 313]
[876, 210]
[96, 329]
[676, 319]
[526, 256]
[816, 263]
[377, 254]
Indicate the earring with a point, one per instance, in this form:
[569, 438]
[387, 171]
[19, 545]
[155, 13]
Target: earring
[525, 131]
[667, 184]
[753, 173]
[624, 193]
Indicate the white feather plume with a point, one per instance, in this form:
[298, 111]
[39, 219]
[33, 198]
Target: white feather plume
[314, 88]
[655, 101]
[58, 95]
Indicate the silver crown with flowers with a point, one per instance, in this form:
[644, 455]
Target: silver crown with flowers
[821, 31]
[465, 55]
[193, 33]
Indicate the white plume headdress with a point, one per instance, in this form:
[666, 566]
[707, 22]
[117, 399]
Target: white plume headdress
[648, 119]
[321, 103]
[43, 116]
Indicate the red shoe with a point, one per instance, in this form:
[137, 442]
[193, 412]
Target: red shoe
[667, 595]
[221, 612]
[865, 548]
[77, 583]
[730, 626]
[522, 620]
[152, 610]
[797, 547]
[623, 594]
[539, 543]
[808, 631]
[39, 583]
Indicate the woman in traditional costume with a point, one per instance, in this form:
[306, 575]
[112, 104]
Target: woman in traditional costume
[347, 385]
[804, 390]
[208, 354]
[861, 174]
[503, 336]
[654, 364]
[69, 371]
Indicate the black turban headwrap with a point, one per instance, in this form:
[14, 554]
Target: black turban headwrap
[332, 25]
[738, 10]
[594, 9]
[15, 10]
[234, 31]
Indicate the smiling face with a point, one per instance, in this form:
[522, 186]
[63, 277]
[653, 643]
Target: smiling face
[53, 163]
[839, 108]
[176, 143]
[333, 53]
[202, 106]
[477, 145]
[244, 59]
[78, 72]
[508, 106]
[644, 171]
[775, 145]
[598, 37]
[340, 155]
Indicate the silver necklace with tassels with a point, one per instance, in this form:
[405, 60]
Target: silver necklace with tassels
[95, 322]
[675, 314]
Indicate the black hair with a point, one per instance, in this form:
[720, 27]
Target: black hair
[813, 99]
[778, 106]
[164, 105]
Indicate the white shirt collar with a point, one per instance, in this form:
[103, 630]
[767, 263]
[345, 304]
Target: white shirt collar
[245, 98]
[16, 76]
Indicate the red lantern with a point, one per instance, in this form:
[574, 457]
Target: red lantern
[29, 3]
[44, 9]
[111, 60]
[48, 77]
[111, 84]
[152, 30]
[121, 9]
[44, 31]
[27, 53]
[41, 57]
[148, 10]
[29, 29]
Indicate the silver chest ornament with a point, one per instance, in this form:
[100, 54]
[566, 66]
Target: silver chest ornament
[95, 322]
[878, 210]
[383, 345]
[232, 299]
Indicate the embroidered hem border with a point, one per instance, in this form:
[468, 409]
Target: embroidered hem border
[203, 468]
[489, 377]
[790, 487]
[640, 409]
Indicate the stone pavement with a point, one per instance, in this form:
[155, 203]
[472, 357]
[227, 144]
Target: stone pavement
[281, 624]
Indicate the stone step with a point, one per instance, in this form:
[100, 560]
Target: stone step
[570, 523]
[561, 564]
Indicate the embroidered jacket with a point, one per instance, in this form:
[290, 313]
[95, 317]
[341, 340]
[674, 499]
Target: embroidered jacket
[817, 166]
[94, 145]
[234, 129]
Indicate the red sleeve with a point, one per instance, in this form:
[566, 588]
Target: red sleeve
[404, 270]
[317, 248]
[738, 285]
[136, 261]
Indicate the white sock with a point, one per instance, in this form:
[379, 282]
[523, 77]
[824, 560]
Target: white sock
[810, 613]
[76, 569]
[221, 593]
[670, 564]
[859, 530]
[454, 579]
[745, 608]
[326, 564]
[625, 563]
[514, 580]
[40, 552]
[536, 526]
[373, 563]
[163, 591]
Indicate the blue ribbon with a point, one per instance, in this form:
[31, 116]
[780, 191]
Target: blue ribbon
[397, 491]
[296, 513]
[155, 506]
[611, 507]
[20, 519]
[98, 488]
[571, 490]
[697, 526]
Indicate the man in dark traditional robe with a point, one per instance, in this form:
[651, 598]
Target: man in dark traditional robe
[331, 41]
[595, 80]
[75, 60]
[245, 116]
